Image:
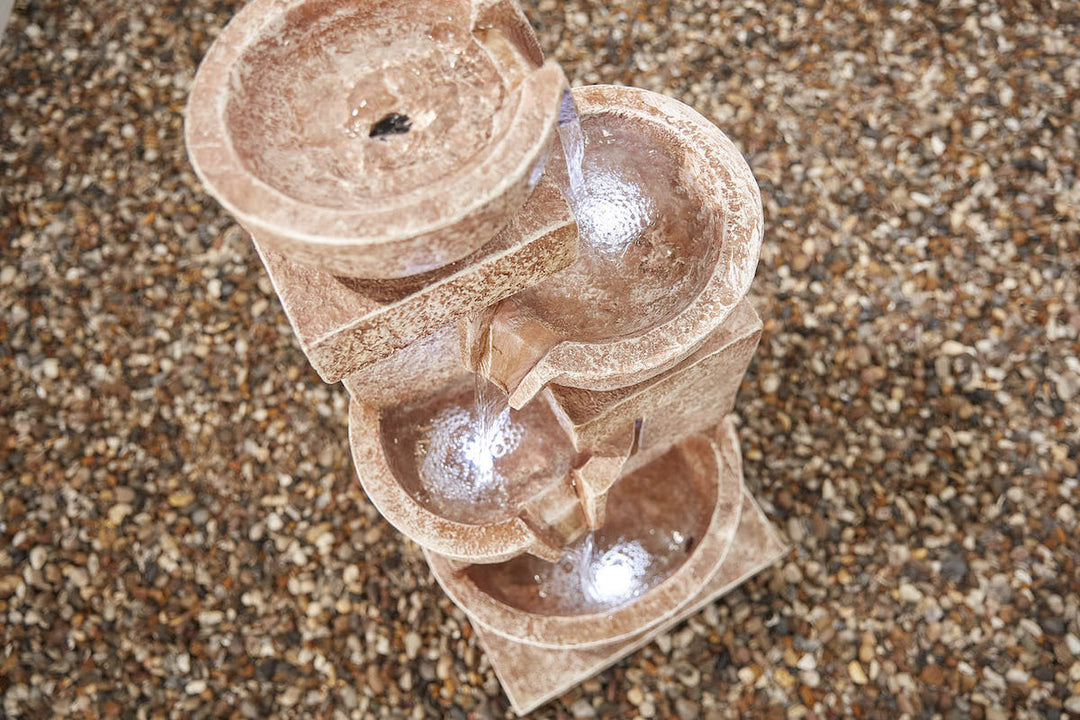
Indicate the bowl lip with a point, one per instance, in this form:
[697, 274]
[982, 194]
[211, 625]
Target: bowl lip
[501, 164]
[732, 189]
[664, 599]
[470, 542]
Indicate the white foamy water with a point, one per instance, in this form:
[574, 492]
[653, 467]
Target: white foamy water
[612, 212]
[611, 207]
[616, 574]
[596, 575]
[475, 465]
[459, 462]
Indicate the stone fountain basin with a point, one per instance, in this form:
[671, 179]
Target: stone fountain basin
[539, 338]
[375, 138]
[549, 493]
[696, 486]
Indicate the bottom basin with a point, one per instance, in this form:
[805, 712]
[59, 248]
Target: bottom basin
[531, 676]
[669, 526]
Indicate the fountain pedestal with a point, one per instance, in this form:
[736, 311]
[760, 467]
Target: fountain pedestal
[399, 168]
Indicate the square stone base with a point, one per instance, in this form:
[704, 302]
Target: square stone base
[532, 676]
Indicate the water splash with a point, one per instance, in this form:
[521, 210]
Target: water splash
[612, 213]
[617, 574]
[459, 460]
[611, 209]
[601, 574]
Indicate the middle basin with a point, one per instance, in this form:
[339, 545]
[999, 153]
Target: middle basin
[459, 472]
[670, 224]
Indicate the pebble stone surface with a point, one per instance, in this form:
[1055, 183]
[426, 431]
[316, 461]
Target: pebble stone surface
[181, 534]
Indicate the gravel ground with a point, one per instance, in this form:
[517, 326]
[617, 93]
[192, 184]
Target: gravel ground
[181, 532]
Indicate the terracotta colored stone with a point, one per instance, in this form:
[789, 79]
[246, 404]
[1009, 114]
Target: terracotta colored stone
[344, 324]
[417, 369]
[379, 139]
[694, 395]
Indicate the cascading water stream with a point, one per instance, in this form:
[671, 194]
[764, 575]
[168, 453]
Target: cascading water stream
[573, 146]
[491, 402]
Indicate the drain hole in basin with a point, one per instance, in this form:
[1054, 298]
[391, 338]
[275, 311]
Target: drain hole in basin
[392, 124]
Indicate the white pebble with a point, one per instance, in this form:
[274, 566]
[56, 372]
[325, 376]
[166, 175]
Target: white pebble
[909, 593]
[51, 368]
[183, 663]
[1016, 676]
[38, 556]
[1073, 643]
[1031, 627]
[413, 643]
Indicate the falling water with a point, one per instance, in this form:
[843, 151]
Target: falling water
[573, 146]
[612, 211]
[492, 406]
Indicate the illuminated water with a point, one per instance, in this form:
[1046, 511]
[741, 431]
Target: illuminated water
[471, 463]
[648, 240]
[655, 518]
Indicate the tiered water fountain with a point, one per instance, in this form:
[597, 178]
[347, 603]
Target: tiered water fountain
[534, 297]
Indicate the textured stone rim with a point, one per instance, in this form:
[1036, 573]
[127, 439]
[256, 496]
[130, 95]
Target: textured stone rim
[636, 616]
[731, 188]
[502, 169]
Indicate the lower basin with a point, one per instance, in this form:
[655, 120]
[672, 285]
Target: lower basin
[669, 526]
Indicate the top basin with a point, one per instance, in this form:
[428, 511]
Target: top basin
[374, 138]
